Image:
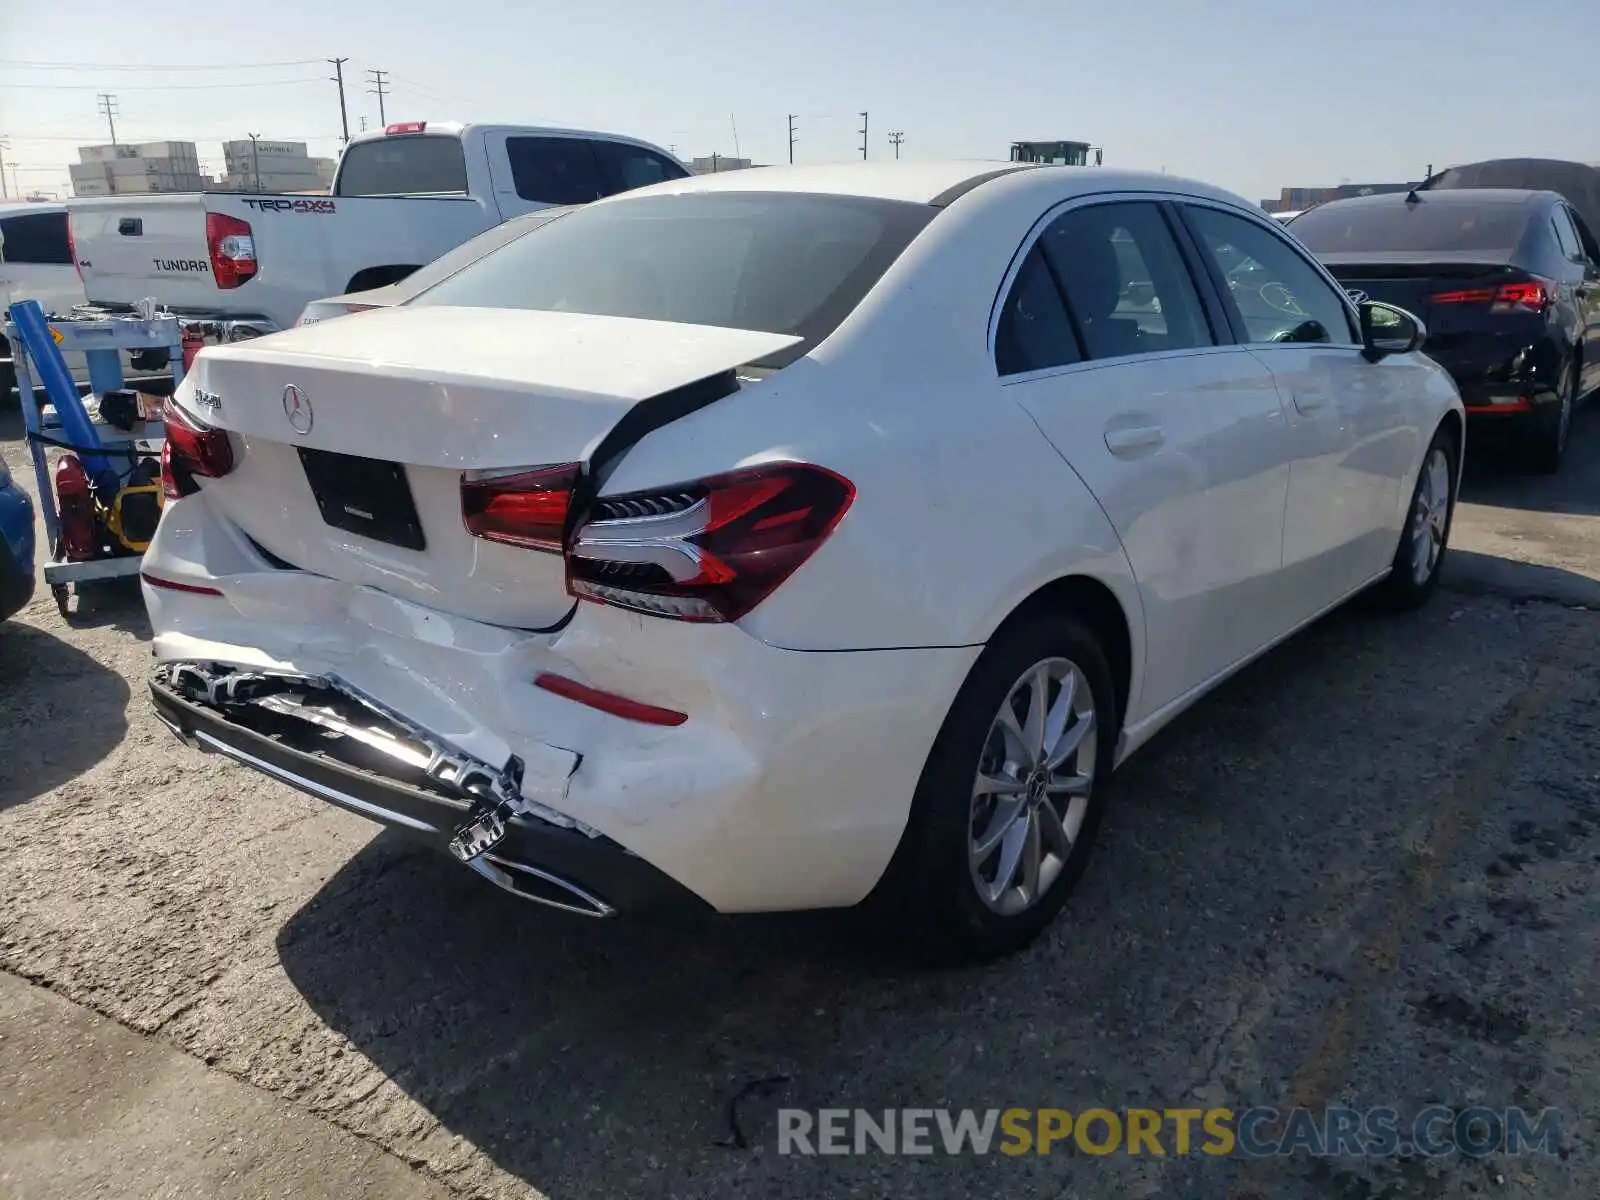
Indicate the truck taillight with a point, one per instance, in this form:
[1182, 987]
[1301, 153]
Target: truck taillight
[406, 127]
[190, 449]
[710, 550]
[233, 250]
[72, 248]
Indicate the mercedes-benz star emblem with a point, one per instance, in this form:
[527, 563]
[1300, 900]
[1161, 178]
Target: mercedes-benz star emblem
[1357, 296]
[297, 409]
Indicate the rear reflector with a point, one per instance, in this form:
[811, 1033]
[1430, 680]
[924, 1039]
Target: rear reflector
[190, 449]
[1509, 404]
[609, 702]
[406, 127]
[172, 585]
[522, 506]
[710, 550]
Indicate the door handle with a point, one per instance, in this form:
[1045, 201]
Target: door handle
[1127, 442]
[1310, 402]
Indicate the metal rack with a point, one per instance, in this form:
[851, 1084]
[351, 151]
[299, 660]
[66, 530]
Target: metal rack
[102, 340]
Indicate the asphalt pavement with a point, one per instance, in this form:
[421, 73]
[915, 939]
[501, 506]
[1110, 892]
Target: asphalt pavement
[1360, 874]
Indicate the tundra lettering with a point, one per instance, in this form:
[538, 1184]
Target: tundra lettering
[299, 206]
[180, 264]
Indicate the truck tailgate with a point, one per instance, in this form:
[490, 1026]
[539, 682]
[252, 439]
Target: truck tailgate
[130, 247]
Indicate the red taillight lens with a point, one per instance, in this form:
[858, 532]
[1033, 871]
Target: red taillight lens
[406, 127]
[1533, 295]
[72, 248]
[190, 449]
[524, 507]
[710, 550]
[233, 250]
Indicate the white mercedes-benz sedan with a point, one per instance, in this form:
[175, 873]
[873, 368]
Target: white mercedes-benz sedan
[791, 538]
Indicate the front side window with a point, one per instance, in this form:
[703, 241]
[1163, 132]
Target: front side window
[551, 170]
[777, 262]
[1278, 295]
[39, 238]
[1034, 330]
[624, 167]
[1125, 280]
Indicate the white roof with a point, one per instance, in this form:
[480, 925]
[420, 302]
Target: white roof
[14, 208]
[922, 182]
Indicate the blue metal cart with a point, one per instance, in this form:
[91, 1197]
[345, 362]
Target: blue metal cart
[67, 422]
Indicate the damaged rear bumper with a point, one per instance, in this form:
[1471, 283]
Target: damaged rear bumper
[561, 866]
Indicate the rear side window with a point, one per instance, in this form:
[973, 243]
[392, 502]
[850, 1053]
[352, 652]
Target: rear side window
[1567, 235]
[771, 261]
[624, 167]
[1034, 331]
[1278, 295]
[554, 170]
[39, 238]
[408, 165]
[1492, 227]
[1125, 280]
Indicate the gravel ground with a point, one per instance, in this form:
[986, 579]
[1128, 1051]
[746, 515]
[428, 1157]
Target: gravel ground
[1361, 873]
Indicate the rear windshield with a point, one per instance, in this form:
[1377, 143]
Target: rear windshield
[472, 249]
[770, 261]
[408, 165]
[1493, 227]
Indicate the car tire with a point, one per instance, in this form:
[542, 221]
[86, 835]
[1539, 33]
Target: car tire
[1549, 440]
[943, 889]
[1414, 572]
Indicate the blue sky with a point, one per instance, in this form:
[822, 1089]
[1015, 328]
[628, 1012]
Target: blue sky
[1274, 93]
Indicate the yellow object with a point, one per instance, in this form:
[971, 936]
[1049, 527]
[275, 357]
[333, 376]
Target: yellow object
[112, 518]
[57, 334]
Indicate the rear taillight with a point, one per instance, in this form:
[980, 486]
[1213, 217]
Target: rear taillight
[72, 248]
[406, 127]
[710, 550]
[1527, 296]
[191, 449]
[233, 250]
[523, 506]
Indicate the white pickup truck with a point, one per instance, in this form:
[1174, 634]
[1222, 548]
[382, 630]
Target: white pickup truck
[244, 264]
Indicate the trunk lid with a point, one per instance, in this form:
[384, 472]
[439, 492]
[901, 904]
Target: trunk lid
[130, 248]
[353, 436]
[1412, 285]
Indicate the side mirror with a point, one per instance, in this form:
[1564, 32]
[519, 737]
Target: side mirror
[1386, 330]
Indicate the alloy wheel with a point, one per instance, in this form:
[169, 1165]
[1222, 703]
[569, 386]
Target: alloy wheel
[1031, 791]
[1430, 519]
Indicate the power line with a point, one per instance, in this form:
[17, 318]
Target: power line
[161, 68]
[379, 79]
[158, 87]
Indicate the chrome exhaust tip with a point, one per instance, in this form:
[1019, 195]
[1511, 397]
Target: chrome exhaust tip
[540, 886]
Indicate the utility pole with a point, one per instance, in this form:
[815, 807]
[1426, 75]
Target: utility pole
[108, 106]
[379, 89]
[255, 159]
[363, 123]
[4, 195]
[715, 157]
[895, 139]
[338, 77]
[791, 139]
[863, 137]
